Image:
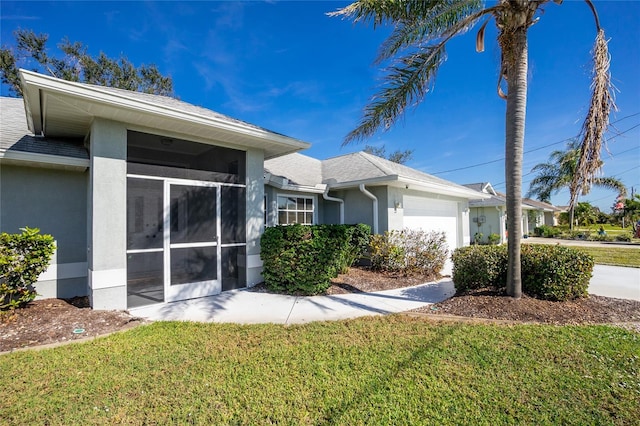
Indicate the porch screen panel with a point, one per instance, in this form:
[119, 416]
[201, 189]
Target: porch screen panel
[193, 264]
[144, 214]
[145, 278]
[233, 217]
[154, 155]
[234, 272]
[193, 214]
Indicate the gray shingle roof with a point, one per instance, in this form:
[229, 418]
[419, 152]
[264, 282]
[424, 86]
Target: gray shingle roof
[297, 168]
[177, 104]
[15, 135]
[356, 167]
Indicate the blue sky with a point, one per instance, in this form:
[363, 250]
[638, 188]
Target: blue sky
[290, 68]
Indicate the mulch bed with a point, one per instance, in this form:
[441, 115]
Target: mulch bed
[52, 321]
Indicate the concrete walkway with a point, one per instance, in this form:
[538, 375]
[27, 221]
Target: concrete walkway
[250, 307]
[615, 281]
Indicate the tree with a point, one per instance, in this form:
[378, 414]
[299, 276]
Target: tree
[77, 65]
[559, 173]
[586, 214]
[416, 49]
[400, 157]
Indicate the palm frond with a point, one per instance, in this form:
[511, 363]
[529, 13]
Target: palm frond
[431, 23]
[407, 82]
[611, 183]
[596, 122]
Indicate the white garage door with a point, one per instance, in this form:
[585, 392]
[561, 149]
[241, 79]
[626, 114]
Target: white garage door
[430, 214]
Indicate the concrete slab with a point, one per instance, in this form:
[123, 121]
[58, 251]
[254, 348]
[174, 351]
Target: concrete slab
[249, 307]
[615, 281]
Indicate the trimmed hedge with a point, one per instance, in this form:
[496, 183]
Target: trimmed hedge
[23, 257]
[302, 259]
[548, 272]
[409, 251]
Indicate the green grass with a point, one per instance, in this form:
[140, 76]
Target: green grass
[616, 256]
[382, 370]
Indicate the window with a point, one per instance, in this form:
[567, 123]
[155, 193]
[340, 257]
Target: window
[295, 210]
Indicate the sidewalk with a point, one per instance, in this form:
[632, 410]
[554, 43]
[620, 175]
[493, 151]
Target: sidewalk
[250, 307]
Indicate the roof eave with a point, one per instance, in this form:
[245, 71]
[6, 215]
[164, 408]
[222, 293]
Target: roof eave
[36, 86]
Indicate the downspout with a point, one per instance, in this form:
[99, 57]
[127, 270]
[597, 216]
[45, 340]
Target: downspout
[375, 207]
[325, 195]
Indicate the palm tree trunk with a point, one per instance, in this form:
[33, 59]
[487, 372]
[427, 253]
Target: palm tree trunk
[516, 76]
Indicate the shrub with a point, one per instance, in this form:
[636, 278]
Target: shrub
[359, 238]
[479, 266]
[23, 257]
[409, 251]
[548, 272]
[624, 237]
[546, 231]
[493, 239]
[555, 272]
[599, 237]
[477, 237]
[300, 259]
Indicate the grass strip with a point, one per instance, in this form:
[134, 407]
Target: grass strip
[616, 256]
[375, 370]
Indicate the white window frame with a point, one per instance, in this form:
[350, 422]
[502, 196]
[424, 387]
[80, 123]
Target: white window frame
[314, 212]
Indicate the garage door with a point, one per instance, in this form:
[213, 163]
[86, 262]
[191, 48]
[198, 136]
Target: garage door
[430, 214]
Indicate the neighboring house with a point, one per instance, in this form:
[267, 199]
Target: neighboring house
[489, 215]
[364, 188]
[150, 199]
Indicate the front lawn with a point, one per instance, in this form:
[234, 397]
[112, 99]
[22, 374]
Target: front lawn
[380, 370]
[616, 256]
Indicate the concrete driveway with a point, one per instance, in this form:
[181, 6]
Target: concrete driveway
[615, 281]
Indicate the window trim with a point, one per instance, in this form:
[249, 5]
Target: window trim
[312, 197]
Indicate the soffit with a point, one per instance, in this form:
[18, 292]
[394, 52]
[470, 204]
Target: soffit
[59, 108]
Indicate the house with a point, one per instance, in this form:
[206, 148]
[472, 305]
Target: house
[150, 199]
[153, 200]
[489, 215]
[364, 188]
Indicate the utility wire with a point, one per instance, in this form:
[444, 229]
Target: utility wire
[498, 185]
[539, 148]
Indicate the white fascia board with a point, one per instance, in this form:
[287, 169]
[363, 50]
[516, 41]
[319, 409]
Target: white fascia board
[418, 185]
[47, 159]
[444, 189]
[95, 94]
[284, 185]
[382, 180]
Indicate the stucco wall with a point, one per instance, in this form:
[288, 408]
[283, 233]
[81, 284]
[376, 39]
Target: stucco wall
[107, 215]
[55, 201]
[491, 224]
[255, 214]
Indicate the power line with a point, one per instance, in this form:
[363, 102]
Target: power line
[498, 185]
[539, 148]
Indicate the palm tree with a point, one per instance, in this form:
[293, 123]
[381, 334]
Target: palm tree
[416, 45]
[559, 172]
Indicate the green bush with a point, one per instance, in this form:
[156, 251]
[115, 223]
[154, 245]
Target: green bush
[409, 251]
[23, 257]
[546, 231]
[493, 239]
[479, 266]
[548, 272]
[359, 238]
[624, 237]
[301, 259]
[555, 272]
